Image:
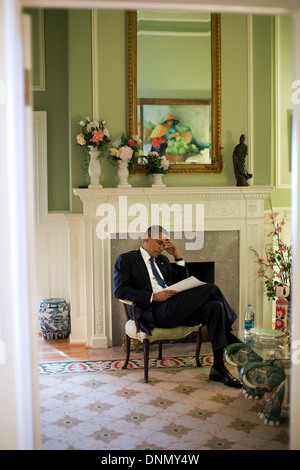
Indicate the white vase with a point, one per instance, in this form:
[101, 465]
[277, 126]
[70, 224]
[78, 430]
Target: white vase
[123, 174]
[157, 181]
[94, 168]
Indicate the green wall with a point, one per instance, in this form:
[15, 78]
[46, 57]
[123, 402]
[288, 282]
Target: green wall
[68, 98]
[80, 92]
[263, 86]
[55, 101]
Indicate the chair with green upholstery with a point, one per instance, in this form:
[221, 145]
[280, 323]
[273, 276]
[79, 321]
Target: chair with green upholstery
[133, 331]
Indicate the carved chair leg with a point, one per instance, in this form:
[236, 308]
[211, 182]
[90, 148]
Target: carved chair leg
[146, 344]
[198, 347]
[160, 350]
[127, 342]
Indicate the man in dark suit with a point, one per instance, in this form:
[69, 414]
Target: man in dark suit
[142, 276]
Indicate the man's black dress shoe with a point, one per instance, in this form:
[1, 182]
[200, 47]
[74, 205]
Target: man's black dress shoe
[223, 375]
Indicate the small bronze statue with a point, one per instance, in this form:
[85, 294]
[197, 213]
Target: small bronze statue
[239, 163]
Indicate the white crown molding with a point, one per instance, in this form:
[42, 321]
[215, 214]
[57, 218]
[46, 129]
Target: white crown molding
[219, 6]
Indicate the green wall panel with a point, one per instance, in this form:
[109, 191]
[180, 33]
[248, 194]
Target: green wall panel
[54, 100]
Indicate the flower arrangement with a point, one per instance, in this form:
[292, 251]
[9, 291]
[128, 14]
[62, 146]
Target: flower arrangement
[155, 163]
[93, 133]
[276, 267]
[126, 149]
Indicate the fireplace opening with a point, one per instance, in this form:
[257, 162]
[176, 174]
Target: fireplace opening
[203, 271]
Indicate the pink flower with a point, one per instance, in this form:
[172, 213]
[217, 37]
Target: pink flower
[97, 137]
[130, 142]
[125, 153]
[154, 154]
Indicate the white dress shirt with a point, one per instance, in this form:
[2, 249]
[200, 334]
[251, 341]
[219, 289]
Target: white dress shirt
[146, 257]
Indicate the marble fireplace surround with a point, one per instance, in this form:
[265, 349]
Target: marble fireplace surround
[233, 222]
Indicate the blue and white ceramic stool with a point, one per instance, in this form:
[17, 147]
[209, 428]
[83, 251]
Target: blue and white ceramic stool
[54, 319]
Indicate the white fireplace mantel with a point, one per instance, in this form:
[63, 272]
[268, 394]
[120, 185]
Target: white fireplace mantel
[225, 208]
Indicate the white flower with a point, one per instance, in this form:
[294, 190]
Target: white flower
[87, 118]
[106, 132]
[137, 139]
[82, 123]
[93, 124]
[117, 143]
[114, 152]
[164, 163]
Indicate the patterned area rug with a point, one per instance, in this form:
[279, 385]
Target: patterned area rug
[95, 405]
[106, 365]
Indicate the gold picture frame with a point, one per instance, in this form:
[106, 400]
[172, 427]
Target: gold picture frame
[217, 163]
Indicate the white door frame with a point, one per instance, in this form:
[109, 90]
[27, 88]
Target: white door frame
[13, 194]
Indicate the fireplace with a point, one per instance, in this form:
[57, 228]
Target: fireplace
[233, 222]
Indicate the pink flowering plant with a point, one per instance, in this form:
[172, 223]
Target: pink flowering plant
[126, 149]
[155, 163]
[93, 133]
[276, 267]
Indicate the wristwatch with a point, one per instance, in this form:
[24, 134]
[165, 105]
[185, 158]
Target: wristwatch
[179, 259]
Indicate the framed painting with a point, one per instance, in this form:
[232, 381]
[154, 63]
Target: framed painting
[178, 129]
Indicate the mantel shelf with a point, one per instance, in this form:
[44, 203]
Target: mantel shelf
[209, 192]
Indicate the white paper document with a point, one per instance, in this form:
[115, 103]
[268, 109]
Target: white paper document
[187, 283]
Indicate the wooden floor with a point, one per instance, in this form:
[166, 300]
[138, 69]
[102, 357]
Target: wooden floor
[63, 350]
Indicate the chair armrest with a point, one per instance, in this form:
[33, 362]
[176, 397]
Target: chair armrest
[128, 302]
[132, 304]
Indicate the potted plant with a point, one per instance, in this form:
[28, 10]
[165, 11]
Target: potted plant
[156, 165]
[125, 151]
[94, 137]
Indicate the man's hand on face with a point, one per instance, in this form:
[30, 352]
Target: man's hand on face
[171, 248]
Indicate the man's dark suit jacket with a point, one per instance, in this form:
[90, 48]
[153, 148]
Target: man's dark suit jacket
[131, 282]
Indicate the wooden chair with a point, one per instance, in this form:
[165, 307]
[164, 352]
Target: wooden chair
[133, 331]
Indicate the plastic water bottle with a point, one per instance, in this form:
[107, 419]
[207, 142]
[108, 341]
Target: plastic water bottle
[249, 318]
